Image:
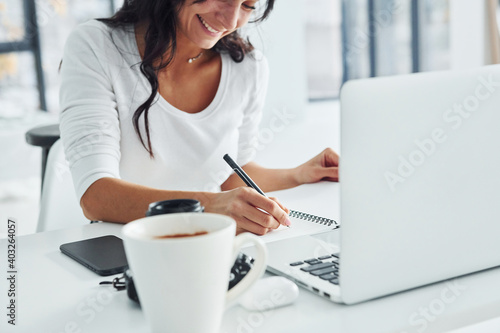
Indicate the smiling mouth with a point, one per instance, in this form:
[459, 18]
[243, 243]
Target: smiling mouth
[209, 28]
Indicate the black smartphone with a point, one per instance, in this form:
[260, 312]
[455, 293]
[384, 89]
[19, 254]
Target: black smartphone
[104, 255]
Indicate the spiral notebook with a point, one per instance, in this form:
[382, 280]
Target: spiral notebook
[302, 224]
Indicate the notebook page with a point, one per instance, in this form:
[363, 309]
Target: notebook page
[299, 227]
[321, 199]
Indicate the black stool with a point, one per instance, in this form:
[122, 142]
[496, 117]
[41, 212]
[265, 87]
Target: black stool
[44, 137]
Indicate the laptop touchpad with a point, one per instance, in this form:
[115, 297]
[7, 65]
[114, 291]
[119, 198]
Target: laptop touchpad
[332, 238]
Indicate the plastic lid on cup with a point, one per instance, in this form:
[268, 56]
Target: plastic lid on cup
[175, 206]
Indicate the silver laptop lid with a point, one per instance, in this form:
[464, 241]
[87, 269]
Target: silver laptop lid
[420, 180]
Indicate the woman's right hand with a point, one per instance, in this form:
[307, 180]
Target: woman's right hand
[252, 211]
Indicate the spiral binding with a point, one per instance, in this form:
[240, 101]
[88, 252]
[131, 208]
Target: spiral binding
[313, 218]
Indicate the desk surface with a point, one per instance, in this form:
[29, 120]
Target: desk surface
[56, 294]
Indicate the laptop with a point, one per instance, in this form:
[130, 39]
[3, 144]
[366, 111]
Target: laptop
[419, 188]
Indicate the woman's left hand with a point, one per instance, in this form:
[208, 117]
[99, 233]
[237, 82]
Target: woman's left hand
[324, 166]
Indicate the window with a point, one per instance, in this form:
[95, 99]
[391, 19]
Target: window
[324, 47]
[348, 39]
[29, 81]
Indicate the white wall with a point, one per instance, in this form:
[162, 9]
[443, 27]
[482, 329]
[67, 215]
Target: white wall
[282, 39]
[469, 34]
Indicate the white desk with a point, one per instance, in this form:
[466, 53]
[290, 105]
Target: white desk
[56, 294]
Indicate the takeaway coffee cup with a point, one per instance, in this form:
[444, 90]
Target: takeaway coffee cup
[174, 206]
[181, 264]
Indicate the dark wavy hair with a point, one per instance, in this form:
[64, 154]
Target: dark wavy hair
[160, 39]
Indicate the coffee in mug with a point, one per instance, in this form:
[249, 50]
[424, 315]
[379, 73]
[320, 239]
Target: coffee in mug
[199, 233]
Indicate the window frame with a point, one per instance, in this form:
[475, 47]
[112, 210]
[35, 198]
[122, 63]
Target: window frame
[31, 43]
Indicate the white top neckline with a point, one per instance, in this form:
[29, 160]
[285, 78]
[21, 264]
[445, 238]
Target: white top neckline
[219, 95]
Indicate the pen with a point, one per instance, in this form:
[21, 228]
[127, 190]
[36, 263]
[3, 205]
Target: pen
[242, 174]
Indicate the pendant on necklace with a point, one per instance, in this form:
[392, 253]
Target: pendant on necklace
[190, 60]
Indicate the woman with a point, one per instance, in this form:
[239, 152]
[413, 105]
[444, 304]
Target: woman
[151, 100]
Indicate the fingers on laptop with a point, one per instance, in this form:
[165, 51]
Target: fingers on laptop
[330, 165]
[330, 173]
[330, 157]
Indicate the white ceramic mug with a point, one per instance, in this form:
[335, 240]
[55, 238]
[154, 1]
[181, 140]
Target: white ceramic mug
[182, 282]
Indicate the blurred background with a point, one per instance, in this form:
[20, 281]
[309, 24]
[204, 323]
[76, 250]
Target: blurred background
[313, 47]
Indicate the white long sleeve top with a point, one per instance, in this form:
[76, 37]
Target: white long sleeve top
[101, 88]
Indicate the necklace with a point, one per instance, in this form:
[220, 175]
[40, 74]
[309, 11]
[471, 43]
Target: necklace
[190, 60]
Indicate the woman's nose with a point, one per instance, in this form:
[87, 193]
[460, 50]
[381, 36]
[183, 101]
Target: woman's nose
[229, 16]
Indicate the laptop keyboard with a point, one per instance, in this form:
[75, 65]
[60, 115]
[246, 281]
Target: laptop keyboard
[324, 267]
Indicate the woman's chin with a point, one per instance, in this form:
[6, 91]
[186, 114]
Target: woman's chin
[207, 44]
